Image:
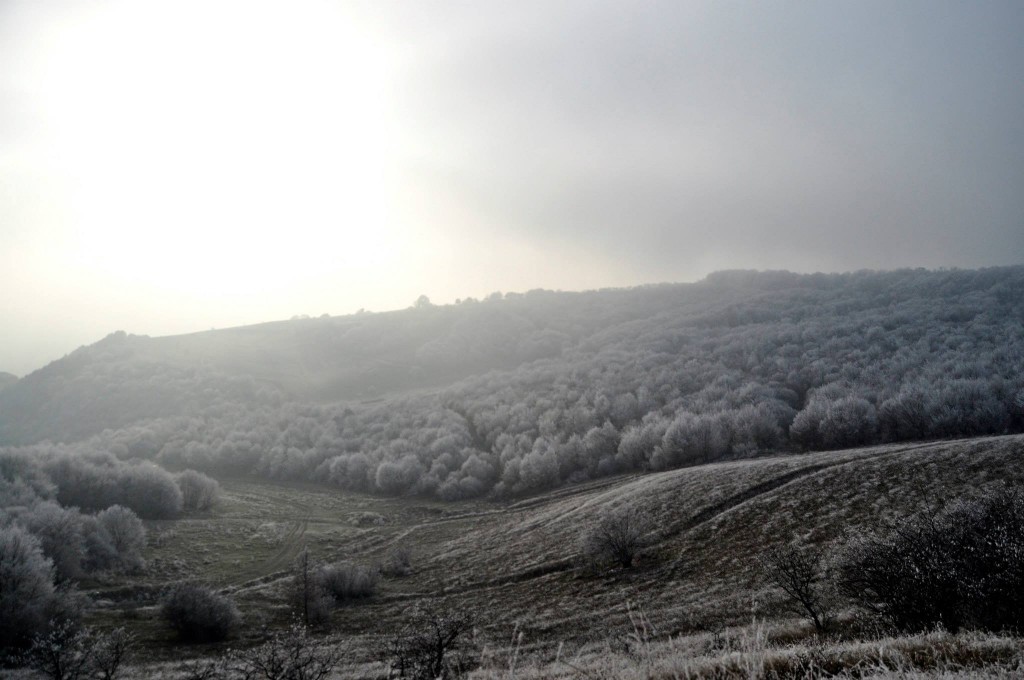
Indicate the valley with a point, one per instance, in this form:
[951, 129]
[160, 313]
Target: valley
[514, 565]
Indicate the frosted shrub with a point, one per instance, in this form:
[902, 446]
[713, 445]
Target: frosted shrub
[964, 567]
[199, 614]
[127, 535]
[198, 491]
[27, 595]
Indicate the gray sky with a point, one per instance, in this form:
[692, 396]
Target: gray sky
[168, 167]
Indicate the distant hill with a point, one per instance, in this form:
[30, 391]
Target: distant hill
[523, 392]
[125, 378]
[7, 379]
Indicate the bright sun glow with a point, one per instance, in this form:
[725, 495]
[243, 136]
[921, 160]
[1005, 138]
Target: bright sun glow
[247, 150]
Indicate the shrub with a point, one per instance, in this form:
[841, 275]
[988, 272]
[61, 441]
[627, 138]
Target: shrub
[398, 562]
[199, 614]
[198, 491]
[94, 482]
[100, 552]
[617, 538]
[962, 567]
[150, 491]
[127, 534]
[346, 581]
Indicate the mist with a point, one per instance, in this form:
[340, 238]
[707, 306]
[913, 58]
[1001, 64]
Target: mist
[172, 169]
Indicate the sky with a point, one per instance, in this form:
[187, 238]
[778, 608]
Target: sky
[170, 167]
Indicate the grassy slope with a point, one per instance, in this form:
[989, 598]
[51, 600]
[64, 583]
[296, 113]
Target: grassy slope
[512, 564]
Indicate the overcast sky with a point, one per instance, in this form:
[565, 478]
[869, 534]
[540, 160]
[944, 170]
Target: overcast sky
[168, 167]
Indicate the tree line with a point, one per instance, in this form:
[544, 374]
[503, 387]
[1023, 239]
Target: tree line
[643, 379]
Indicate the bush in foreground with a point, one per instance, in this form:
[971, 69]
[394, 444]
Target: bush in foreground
[27, 594]
[964, 567]
[430, 646]
[69, 653]
[198, 614]
[798, 572]
[289, 655]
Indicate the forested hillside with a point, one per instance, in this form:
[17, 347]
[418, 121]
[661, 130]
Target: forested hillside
[519, 393]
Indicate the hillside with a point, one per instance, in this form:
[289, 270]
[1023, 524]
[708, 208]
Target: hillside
[125, 378]
[514, 565]
[521, 393]
[744, 413]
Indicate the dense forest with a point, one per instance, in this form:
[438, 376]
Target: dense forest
[522, 392]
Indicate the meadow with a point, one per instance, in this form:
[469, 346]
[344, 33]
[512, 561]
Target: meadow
[696, 604]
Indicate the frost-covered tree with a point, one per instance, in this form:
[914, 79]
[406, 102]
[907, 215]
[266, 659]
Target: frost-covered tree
[198, 491]
[848, 422]
[127, 534]
[61, 536]
[27, 594]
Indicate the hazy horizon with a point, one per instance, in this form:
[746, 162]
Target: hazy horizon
[172, 168]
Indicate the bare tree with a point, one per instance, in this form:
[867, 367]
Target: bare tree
[63, 653]
[69, 653]
[427, 647]
[291, 655]
[617, 538]
[110, 652]
[309, 596]
[798, 572]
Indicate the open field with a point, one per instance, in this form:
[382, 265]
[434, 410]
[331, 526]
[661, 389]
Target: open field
[514, 565]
